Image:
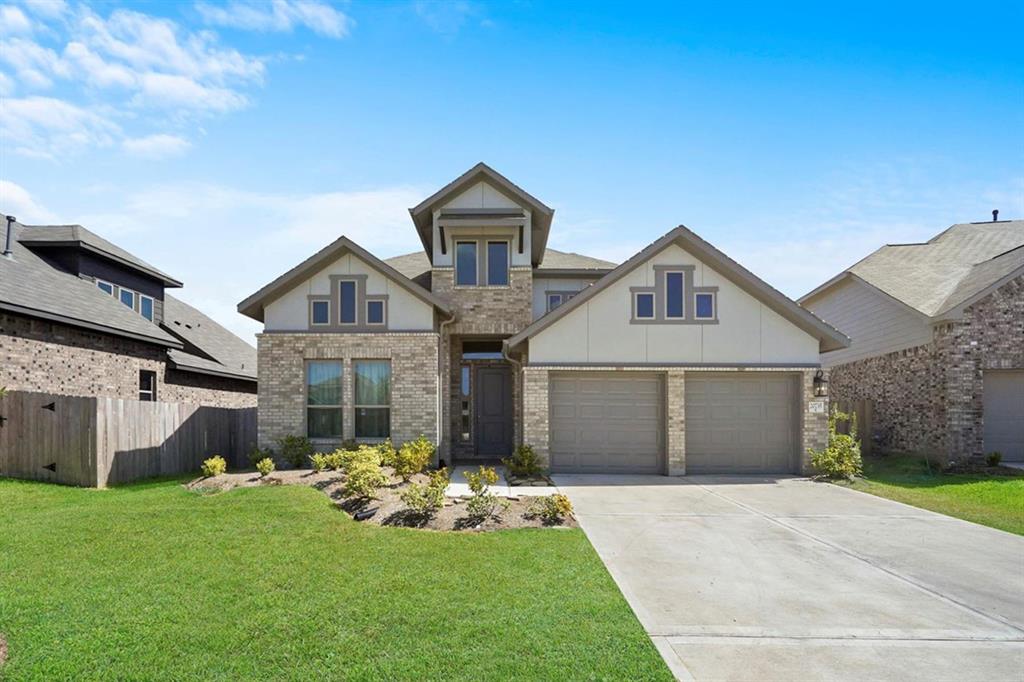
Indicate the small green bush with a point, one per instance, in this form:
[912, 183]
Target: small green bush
[413, 457]
[257, 453]
[426, 499]
[388, 455]
[362, 479]
[215, 466]
[483, 504]
[994, 458]
[524, 462]
[551, 509]
[349, 444]
[363, 454]
[841, 457]
[320, 461]
[295, 450]
[265, 466]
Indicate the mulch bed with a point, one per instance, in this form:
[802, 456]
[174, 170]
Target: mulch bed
[390, 510]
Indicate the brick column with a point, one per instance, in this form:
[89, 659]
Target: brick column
[815, 424]
[675, 432]
[535, 412]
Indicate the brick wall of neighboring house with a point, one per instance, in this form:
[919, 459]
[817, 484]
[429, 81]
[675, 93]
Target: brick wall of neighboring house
[49, 357]
[929, 399]
[497, 311]
[536, 428]
[282, 381]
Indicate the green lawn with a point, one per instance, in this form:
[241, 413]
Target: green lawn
[150, 581]
[996, 501]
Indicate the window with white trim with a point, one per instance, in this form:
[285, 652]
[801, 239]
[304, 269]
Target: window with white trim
[323, 399]
[554, 300]
[465, 264]
[147, 385]
[673, 295]
[704, 305]
[347, 301]
[497, 264]
[372, 398]
[375, 312]
[320, 312]
[643, 305]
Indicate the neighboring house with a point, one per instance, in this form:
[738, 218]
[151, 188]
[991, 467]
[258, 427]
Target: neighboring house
[678, 360]
[80, 316]
[937, 340]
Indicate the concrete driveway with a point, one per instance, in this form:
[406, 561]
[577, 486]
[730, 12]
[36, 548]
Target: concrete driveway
[743, 578]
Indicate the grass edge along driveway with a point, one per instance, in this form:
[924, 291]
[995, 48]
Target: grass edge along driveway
[150, 581]
[991, 500]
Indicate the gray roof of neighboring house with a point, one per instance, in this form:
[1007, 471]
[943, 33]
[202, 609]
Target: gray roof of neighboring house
[414, 265]
[943, 273]
[227, 354]
[76, 235]
[30, 285]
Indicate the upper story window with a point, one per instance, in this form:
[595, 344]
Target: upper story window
[557, 298]
[146, 307]
[347, 302]
[673, 294]
[644, 306]
[128, 298]
[704, 306]
[374, 312]
[465, 264]
[320, 312]
[140, 303]
[497, 264]
[105, 286]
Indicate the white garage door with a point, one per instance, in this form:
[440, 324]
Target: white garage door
[1004, 413]
[606, 423]
[739, 423]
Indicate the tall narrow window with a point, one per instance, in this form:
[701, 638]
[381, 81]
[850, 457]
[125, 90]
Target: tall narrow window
[147, 385]
[673, 294]
[465, 263]
[497, 264]
[128, 298]
[373, 398]
[347, 314]
[146, 307]
[320, 312]
[323, 399]
[464, 386]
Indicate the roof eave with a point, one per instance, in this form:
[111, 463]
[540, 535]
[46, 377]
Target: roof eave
[167, 280]
[227, 374]
[92, 326]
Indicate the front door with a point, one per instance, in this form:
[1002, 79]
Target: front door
[494, 412]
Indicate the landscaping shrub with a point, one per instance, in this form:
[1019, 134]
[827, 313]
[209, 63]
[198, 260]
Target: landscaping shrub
[551, 509]
[388, 455]
[413, 457]
[295, 450]
[483, 504]
[362, 454]
[363, 478]
[215, 466]
[426, 499]
[321, 461]
[994, 458]
[841, 457]
[265, 466]
[524, 462]
[349, 444]
[257, 453]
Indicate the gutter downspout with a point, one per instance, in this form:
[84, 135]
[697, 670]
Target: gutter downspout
[7, 240]
[440, 382]
[522, 388]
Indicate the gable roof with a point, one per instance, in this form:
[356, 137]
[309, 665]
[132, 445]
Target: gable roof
[416, 264]
[220, 352]
[423, 216]
[938, 276]
[29, 285]
[43, 236]
[829, 337]
[254, 304]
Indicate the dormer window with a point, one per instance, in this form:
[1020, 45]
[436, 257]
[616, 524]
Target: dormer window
[140, 303]
[128, 298]
[146, 307]
[465, 264]
[105, 287]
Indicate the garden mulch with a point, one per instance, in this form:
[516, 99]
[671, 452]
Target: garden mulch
[389, 510]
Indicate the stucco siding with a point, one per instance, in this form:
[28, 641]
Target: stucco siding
[406, 312]
[746, 332]
[875, 323]
[542, 285]
[483, 195]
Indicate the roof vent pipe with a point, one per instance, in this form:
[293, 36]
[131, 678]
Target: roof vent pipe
[995, 214]
[7, 240]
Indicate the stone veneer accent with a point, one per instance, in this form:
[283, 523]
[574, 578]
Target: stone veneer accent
[929, 399]
[282, 381]
[50, 357]
[813, 426]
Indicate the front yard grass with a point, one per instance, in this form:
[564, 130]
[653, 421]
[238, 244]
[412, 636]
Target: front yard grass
[150, 581]
[991, 500]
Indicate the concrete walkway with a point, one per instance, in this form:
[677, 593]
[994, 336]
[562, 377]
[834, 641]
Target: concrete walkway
[460, 488]
[742, 578]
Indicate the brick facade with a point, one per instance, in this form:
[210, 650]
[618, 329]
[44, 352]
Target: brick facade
[536, 431]
[49, 357]
[495, 311]
[282, 381]
[928, 399]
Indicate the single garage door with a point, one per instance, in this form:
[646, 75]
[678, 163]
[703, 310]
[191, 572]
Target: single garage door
[606, 423]
[740, 423]
[1004, 414]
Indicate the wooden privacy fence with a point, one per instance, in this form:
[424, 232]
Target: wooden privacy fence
[99, 441]
[865, 411]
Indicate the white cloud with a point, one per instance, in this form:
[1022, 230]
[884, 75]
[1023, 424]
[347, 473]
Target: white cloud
[159, 146]
[49, 9]
[278, 15]
[183, 94]
[6, 85]
[15, 200]
[45, 127]
[36, 66]
[13, 21]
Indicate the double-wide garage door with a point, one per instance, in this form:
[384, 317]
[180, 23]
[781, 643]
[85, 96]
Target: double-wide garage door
[606, 423]
[1004, 413]
[737, 423]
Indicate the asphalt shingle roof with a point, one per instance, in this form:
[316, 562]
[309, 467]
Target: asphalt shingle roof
[949, 268]
[226, 353]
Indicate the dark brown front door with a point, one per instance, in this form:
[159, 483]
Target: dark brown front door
[494, 412]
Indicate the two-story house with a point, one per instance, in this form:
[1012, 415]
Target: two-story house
[80, 316]
[678, 360]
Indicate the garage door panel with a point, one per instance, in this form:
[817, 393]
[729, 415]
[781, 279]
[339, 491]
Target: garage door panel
[606, 423]
[740, 424]
[1003, 413]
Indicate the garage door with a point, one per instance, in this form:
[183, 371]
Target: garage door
[606, 423]
[740, 423]
[1004, 414]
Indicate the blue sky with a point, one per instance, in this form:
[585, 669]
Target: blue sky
[226, 142]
